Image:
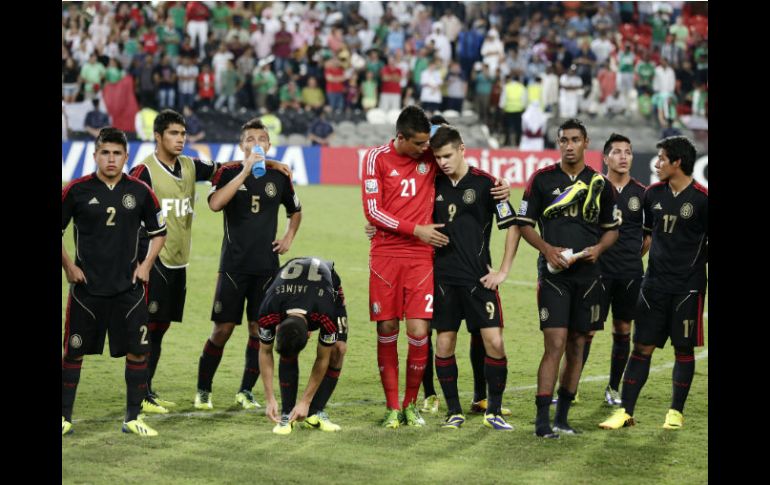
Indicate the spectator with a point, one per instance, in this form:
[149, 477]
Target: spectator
[320, 131]
[195, 132]
[164, 77]
[245, 65]
[170, 40]
[143, 122]
[645, 72]
[585, 60]
[513, 101]
[261, 42]
[69, 78]
[699, 99]
[469, 46]
[664, 80]
[602, 48]
[391, 77]
[91, 76]
[231, 83]
[114, 73]
[613, 106]
[335, 88]
[580, 24]
[366, 36]
[264, 83]
[282, 48]
[237, 37]
[680, 32]
[550, 89]
[197, 25]
[569, 94]
[601, 21]
[492, 50]
[96, 119]
[187, 74]
[396, 38]
[607, 82]
[533, 123]
[290, 97]
[430, 87]
[671, 52]
[206, 87]
[186, 48]
[659, 30]
[408, 97]
[353, 93]
[220, 62]
[626, 61]
[482, 82]
[685, 80]
[220, 20]
[312, 95]
[369, 92]
[701, 56]
[456, 88]
[149, 42]
[374, 64]
[145, 83]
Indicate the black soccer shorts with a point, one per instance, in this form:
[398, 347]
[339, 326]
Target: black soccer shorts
[90, 318]
[479, 307]
[167, 293]
[235, 289]
[622, 296]
[570, 303]
[662, 315]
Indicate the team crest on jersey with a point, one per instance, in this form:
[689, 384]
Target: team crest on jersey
[152, 307]
[422, 168]
[503, 210]
[217, 306]
[634, 204]
[329, 338]
[376, 307]
[523, 208]
[270, 189]
[129, 201]
[686, 210]
[371, 186]
[469, 196]
[543, 314]
[76, 341]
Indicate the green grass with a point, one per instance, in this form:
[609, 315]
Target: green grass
[234, 446]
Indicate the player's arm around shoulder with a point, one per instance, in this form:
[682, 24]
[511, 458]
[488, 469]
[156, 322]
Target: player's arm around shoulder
[225, 184]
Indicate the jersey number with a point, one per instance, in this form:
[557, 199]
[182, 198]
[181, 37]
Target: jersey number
[452, 211]
[491, 309]
[571, 211]
[429, 306]
[595, 313]
[294, 269]
[111, 218]
[143, 340]
[667, 219]
[254, 204]
[688, 325]
[405, 188]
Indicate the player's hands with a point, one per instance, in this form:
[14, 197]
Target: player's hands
[281, 246]
[553, 255]
[141, 273]
[271, 410]
[428, 233]
[75, 274]
[281, 167]
[299, 413]
[252, 158]
[370, 231]
[501, 190]
[590, 254]
[492, 279]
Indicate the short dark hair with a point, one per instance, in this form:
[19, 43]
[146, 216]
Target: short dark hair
[446, 135]
[109, 134]
[291, 336]
[165, 118]
[254, 124]
[679, 148]
[412, 120]
[573, 123]
[438, 120]
[615, 137]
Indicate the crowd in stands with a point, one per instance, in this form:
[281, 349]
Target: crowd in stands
[642, 60]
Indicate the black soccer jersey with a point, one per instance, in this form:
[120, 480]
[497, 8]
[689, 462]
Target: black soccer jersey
[679, 228]
[106, 228]
[251, 220]
[569, 229]
[312, 286]
[468, 210]
[623, 260]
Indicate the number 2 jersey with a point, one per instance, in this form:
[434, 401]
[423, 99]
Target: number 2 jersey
[398, 193]
[679, 228]
[312, 286]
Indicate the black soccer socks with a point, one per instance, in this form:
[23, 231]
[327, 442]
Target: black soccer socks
[251, 367]
[446, 371]
[543, 419]
[70, 376]
[427, 379]
[477, 363]
[621, 346]
[136, 387]
[496, 372]
[563, 405]
[586, 349]
[288, 376]
[207, 365]
[324, 391]
[157, 331]
[637, 370]
[684, 370]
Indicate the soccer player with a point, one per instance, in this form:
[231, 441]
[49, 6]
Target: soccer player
[465, 283]
[249, 256]
[575, 211]
[621, 264]
[306, 295]
[398, 191]
[670, 303]
[107, 293]
[172, 177]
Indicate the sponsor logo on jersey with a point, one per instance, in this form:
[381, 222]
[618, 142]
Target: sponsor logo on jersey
[129, 201]
[543, 314]
[686, 211]
[503, 210]
[152, 307]
[556, 191]
[523, 208]
[376, 307]
[76, 341]
[93, 201]
[270, 189]
[370, 186]
[657, 206]
[242, 187]
[177, 207]
[634, 203]
[394, 173]
[329, 338]
[422, 168]
[440, 198]
[469, 196]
